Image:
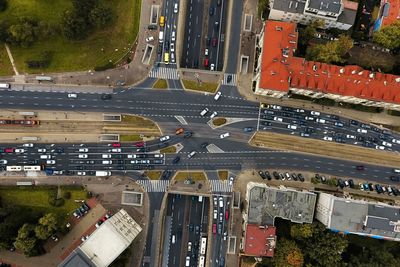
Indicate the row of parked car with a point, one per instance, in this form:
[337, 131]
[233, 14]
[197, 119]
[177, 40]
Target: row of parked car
[281, 176]
[81, 211]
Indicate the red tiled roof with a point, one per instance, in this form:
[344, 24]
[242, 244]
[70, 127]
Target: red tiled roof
[352, 81]
[260, 240]
[394, 12]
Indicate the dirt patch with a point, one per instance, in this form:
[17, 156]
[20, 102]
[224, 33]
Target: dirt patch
[160, 84]
[324, 148]
[219, 121]
[200, 86]
[170, 150]
[195, 176]
[223, 175]
[153, 175]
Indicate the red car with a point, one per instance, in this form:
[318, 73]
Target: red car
[227, 215]
[139, 144]
[9, 150]
[206, 62]
[214, 228]
[214, 42]
[116, 145]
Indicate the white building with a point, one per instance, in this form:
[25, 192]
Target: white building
[334, 13]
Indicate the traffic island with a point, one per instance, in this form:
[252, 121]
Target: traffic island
[200, 86]
[223, 175]
[219, 121]
[190, 176]
[153, 175]
[324, 148]
[160, 84]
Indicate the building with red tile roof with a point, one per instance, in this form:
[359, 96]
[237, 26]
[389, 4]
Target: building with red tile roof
[390, 12]
[280, 73]
[260, 241]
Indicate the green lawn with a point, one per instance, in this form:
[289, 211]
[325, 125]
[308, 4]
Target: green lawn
[77, 55]
[160, 84]
[5, 63]
[37, 198]
[204, 86]
[129, 137]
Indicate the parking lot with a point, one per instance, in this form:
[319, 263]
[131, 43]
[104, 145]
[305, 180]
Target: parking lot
[204, 35]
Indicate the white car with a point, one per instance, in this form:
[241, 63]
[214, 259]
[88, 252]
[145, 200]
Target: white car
[278, 119]
[176, 8]
[164, 138]
[3, 161]
[361, 130]
[206, 52]
[159, 155]
[72, 96]
[327, 138]
[293, 127]
[380, 147]
[149, 39]
[215, 201]
[349, 136]
[221, 202]
[315, 113]
[41, 150]
[116, 150]
[106, 156]
[274, 107]
[106, 162]
[212, 66]
[50, 162]
[83, 150]
[299, 110]
[191, 154]
[27, 145]
[83, 156]
[320, 120]
[386, 144]
[217, 95]
[224, 135]
[173, 34]
[130, 156]
[231, 179]
[19, 150]
[189, 246]
[213, 114]
[396, 141]
[172, 47]
[81, 173]
[215, 214]
[309, 118]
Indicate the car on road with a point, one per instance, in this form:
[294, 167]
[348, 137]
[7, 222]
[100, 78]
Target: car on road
[191, 154]
[206, 62]
[42, 150]
[173, 36]
[359, 167]
[224, 135]
[278, 119]
[176, 159]
[206, 52]
[3, 161]
[81, 150]
[214, 228]
[217, 96]
[116, 144]
[83, 156]
[72, 95]
[292, 127]
[380, 147]
[106, 96]
[248, 129]
[28, 145]
[172, 47]
[214, 42]
[189, 246]
[349, 136]
[149, 39]
[116, 150]
[212, 67]
[315, 113]
[19, 150]
[187, 134]
[213, 115]
[327, 138]
[81, 173]
[211, 10]
[231, 179]
[176, 8]
[221, 202]
[322, 121]
[50, 162]
[164, 138]
[204, 112]
[359, 130]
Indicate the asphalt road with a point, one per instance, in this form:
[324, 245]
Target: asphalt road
[170, 29]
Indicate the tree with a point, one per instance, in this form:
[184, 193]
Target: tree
[344, 44]
[100, 16]
[22, 34]
[3, 5]
[50, 222]
[41, 232]
[389, 36]
[74, 26]
[310, 31]
[331, 52]
[26, 240]
[301, 231]
[288, 254]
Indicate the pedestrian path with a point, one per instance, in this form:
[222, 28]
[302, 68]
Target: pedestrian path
[154, 186]
[181, 120]
[229, 81]
[164, 73]
[220, 186]
[211, 148]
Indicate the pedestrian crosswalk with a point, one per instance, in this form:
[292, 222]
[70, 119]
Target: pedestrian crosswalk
[181, 120]
[229, 79]
[154, 186]
[220, 186]
[164, 73]
[211, 148]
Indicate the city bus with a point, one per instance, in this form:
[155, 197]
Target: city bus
[203, 245]
[13, 168]
[32, 168]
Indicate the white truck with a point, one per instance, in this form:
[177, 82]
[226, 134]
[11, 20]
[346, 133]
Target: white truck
[103, 173]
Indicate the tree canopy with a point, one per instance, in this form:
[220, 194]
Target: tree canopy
[331, 52]
[389, 36]
[288, 254]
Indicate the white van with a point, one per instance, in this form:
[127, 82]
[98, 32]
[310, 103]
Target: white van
[173, 239]
[161, 36]
[45, 156]
[200, 198]
[187, 264]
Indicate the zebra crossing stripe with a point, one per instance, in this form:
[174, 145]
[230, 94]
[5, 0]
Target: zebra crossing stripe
[214, 149]
[164, 73]
[154, 186]
[232, 82]
[220, 186]
[181, 120]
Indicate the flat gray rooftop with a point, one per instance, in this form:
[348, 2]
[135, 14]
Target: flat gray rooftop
[293, 6]
[266, 203]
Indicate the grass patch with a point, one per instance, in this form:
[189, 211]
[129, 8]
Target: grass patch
[136, 120]
[393, 112]
[223, 175]
[196, 176]
[204, 86]
[37, 198]
[219, 121]
[5, 63]
[129, 137]
[109, 43]
[153, 175]
[170, 149]
[160, 84]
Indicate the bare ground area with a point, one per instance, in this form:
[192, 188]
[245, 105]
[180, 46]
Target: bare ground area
[325, 148]
[74, 126]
